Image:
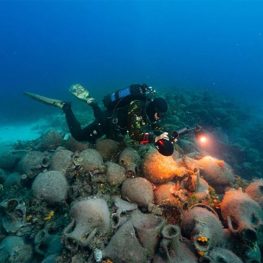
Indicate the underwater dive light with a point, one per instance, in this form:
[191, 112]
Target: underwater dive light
[201, 136]
[165, 146]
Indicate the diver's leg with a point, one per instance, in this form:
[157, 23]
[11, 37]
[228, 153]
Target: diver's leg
[93, 131]
[90, 133]
[97, 112]
[73, 124]
[83, 94]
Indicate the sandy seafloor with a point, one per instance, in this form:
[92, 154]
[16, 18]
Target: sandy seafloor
[11, 133]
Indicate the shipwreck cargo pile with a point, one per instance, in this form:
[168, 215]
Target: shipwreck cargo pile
[66, 201]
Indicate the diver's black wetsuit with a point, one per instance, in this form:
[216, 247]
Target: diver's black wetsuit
[91, 132]
[131, 119]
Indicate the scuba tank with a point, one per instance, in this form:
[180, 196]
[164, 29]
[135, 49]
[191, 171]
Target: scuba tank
[123, 97]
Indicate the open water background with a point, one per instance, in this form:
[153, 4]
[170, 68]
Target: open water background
[48, 45]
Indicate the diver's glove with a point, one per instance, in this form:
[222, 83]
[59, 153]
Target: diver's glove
[164, 135]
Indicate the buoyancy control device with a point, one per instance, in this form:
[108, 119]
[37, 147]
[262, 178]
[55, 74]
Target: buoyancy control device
[123, 97]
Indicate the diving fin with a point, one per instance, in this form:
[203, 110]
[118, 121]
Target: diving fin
[80, 92]
[46, 100]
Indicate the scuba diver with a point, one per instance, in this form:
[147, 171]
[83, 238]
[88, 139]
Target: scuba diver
[134, 110]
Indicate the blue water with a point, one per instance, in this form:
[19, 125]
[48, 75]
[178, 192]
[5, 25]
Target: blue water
[46, 46]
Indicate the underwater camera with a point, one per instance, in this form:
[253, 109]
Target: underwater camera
[166, 148]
